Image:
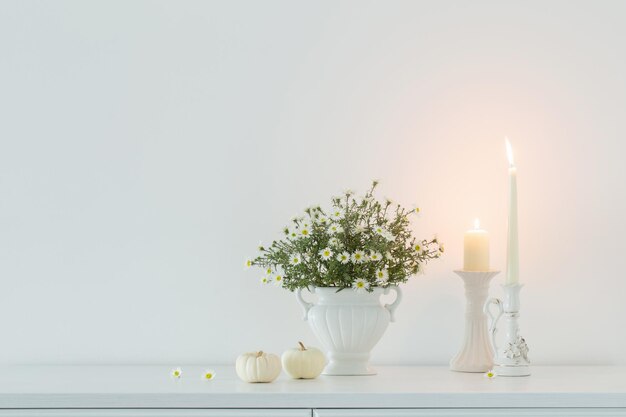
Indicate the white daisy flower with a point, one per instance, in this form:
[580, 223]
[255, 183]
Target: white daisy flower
[176, 373]
[333, 241]
[358, 257]
[335, 228]
[208, 374]
[343, 257]
[336, 214]
[417, 247]
[415, 210]
[294, 232]
[326, 253]
[322, 220]
[379, 230]
[265, 280]
[361, 285]
[375, 256]
[382, 276]
[248, 264]
[490, 374]
[295, 260]
[278, 280]
[268, 271]
[304, 231]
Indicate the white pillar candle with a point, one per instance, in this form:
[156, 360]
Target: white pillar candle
[476, 249]
[512, 252]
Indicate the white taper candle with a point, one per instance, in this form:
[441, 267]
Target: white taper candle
[512, 253]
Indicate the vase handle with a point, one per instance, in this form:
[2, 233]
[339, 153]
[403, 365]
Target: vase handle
[305, 305]
[493, 319]
[391, 308]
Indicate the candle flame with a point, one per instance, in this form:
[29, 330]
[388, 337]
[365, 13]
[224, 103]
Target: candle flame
[476, 224]
[509, 151]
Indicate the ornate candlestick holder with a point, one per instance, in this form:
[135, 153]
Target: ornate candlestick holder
[511, 358]
[476, 353]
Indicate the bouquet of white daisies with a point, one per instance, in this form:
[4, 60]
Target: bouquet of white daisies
[358, 243]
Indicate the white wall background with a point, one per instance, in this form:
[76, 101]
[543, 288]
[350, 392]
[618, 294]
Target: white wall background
[146, 147]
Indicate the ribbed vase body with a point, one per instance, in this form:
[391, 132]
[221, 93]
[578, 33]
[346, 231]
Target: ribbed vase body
[348, 324]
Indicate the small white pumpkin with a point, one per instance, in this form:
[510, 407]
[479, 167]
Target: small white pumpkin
[303, 362]
[258, 367]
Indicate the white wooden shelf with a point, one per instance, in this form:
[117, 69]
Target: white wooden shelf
[398, 391]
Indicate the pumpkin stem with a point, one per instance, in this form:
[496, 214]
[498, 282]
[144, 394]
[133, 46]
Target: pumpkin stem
[302, 347]
[259, 354]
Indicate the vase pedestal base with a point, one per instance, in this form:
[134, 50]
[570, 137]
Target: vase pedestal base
[348, 365]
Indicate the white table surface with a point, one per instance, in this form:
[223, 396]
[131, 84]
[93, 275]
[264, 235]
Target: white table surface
[410, 387]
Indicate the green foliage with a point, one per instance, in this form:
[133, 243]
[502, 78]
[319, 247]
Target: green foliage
[359, 243]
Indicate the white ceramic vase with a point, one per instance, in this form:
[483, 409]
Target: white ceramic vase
[349, 324]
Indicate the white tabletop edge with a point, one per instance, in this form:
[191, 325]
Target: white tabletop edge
[394, 387]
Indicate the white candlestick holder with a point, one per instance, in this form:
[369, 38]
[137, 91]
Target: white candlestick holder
[512, 357]
[476, 353]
